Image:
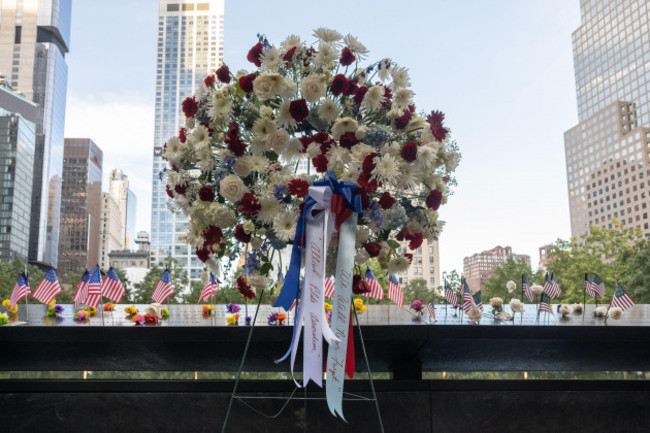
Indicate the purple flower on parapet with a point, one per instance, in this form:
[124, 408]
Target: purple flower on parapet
[273, 317]
[58, 309]
[233, 308]
[248, 320]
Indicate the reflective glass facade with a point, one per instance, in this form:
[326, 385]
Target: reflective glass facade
[190, 40]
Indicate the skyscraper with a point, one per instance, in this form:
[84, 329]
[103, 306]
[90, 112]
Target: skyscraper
[607, 160]
[80, 205]
[425, 265]
[478, 267]
[119, 190]
[111, 229]
[190, 46]
[131, 209]
[34, 39]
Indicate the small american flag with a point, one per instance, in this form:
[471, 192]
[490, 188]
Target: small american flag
[548, 287]
[477, 300]
[94, 288]
[395, 292]
[112, 287]
[432, 309]
[621, 299]
[81, 293]
[329, 287]
[21, 289]
[598, 286]
[555, 290]
[545, 303]
[526, 288]
[468, 299]
[375, 289]
[48, 288]
[210, 288]
[164, 288]
[589, 288]
[449, 295]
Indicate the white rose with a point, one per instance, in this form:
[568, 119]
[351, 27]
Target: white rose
[243, 166]
[266, 86]
[249, 227]
[279, 141]
[312, 88]
[232, 188]
[256, 243]
[287, 88]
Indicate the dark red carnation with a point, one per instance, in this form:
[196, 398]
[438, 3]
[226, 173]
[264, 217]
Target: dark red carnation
[372, 248]
[359, 286]
[388, 94]
[435, 120]
[241, 235]
[365, 198]
[347, 58]
[203, 254]
[249, 205]
[434, 199]
[169, 191]
[180, 188]
[410, 151]
[351, 88]
[298, 187]
[416, 241]
[409, 256]
[348, 140]
[246, 82]
[368, 164]
[223, 74]
[212, 235]
[402, 121]
[206, 193]
[209, 80]
[236, 146]
[321, 137]
[359, 93]
[190, 107]
[181, 135]
[306, 141]
[386, 201]
[339, 85]
[364, 180]
[289, 54]
[255, 53]
[244, 288]
[404, 234]
[320, 163]
[298, 110]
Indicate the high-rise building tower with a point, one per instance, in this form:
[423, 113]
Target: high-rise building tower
[80, 205]
[119, 190]
[190, 46]
[425, 265]
[34, 38]
[607, 159]
[478, 267]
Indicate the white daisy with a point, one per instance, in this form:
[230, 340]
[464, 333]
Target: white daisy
[270, 209]
[409, 176]
[338, 157]
[328, 110]
[427, 158]
[284, 225]
[403, 98]
[290, 42]
[398, 265]
[263, 128]
[199, 136]
[174, 150]
[400, 77]
[387, 169]
[327, 35]
[374, 99]
[355, 46]
[271, 59]
[219, 107]
[327, 53]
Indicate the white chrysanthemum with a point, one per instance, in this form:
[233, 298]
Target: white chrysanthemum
[263, 128]
[400, 77]
[496, 302]
[182, 202]
[338, 157]
[174, 178]
[403, 98]
[202, 91]
[199, 136]
[291, 41]
[284, 116]
[279, 141]
[351, 173]
[232, 188]
[361, 257]
[383, 72]
[271, 59]
[565, 309]
[386, 169]
[516, 306]
[313, 87]
[259, 164]
[270, 209]
[284, 225]
[355, 46]
[600, 311]
[174, 150]
[536, 289]
[361, 133]
[219, 107]
[328, 110]
[416, 123]
[577, 308]
[374, 99]
[410, 176]
[313, 150]
[360, 151]
[293, 150]
[327, 54]
[398, 265]
[327, 35]
[266, 86]
[427, 158]
[451, 162]
[221, 216]
[344, 125]
[615, 313]
[511, 286]
[287, 88]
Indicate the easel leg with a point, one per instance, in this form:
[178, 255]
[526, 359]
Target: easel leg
[365, 358]
[241, 365]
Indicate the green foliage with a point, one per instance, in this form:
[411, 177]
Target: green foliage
[416, 289]
[9, 273]
[511, 270]
[141, 292]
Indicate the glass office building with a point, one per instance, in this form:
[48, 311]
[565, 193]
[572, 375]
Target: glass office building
[190, 40]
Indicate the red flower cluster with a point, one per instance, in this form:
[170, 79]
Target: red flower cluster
[190, 106]
[347, 58]
[298, 110]
[414, 238]
[255, 53]
[150, 318]
[181, 188]
[402, 121]
[223, 74]
[289, 54]
[348, 140]
[249, 205]
[367, 167]
[435, 120]
[359, 93]
[372, 248]
[298, 187]
[241, 235]
[246, 82]
[206, 193]
[181, 135]
[320, 163]
[434, 199]
[234, 142]
[359, 286]
[410, 151]
[386, 201]
[244, 288]
[209, 80]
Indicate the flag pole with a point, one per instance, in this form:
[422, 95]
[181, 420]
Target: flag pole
[27, 296]
[584, 301]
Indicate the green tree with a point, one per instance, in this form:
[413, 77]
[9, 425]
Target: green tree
[9, 272]
[141, 292]
[416, 289]
[636, 279]
[510, 270]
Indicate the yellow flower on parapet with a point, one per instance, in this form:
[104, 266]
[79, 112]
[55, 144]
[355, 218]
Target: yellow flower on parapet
[52, 302]
[130, 310]
[328, 307]
[7, 304]
[232, 320]
[358, 305]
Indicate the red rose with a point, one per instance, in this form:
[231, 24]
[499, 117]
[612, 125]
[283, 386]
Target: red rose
[206, 193]
[181, 135]
[223, 74]
[339, 85]
[434, 199]
[190, 107]
[320, 163]
[372, 248]
[298, 110]
[244, 288]
[212, 235]
[150, 318]
[298, 187]
[368, 164]
[289, 54]
[402, 121]
[246, 82]
[386, 201]
[364, 181]
[435, 120]
[254, 54]
[416, 241]
[359, 286]
[249, 205]
[209, 80]
[348, 140]
[347, 58]
[410, 151]
[306, 141]
[203, 254]
[359, 93]
[180, 188]
[321, 138]
[236, 146]
[169, 191]
[241, 235]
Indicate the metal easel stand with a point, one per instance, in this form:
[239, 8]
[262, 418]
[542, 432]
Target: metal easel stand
[347, 395]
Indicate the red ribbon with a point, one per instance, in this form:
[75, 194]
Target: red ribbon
[349, 356]
[341, 211]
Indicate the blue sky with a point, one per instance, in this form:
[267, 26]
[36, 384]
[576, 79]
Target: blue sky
[502, 71]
